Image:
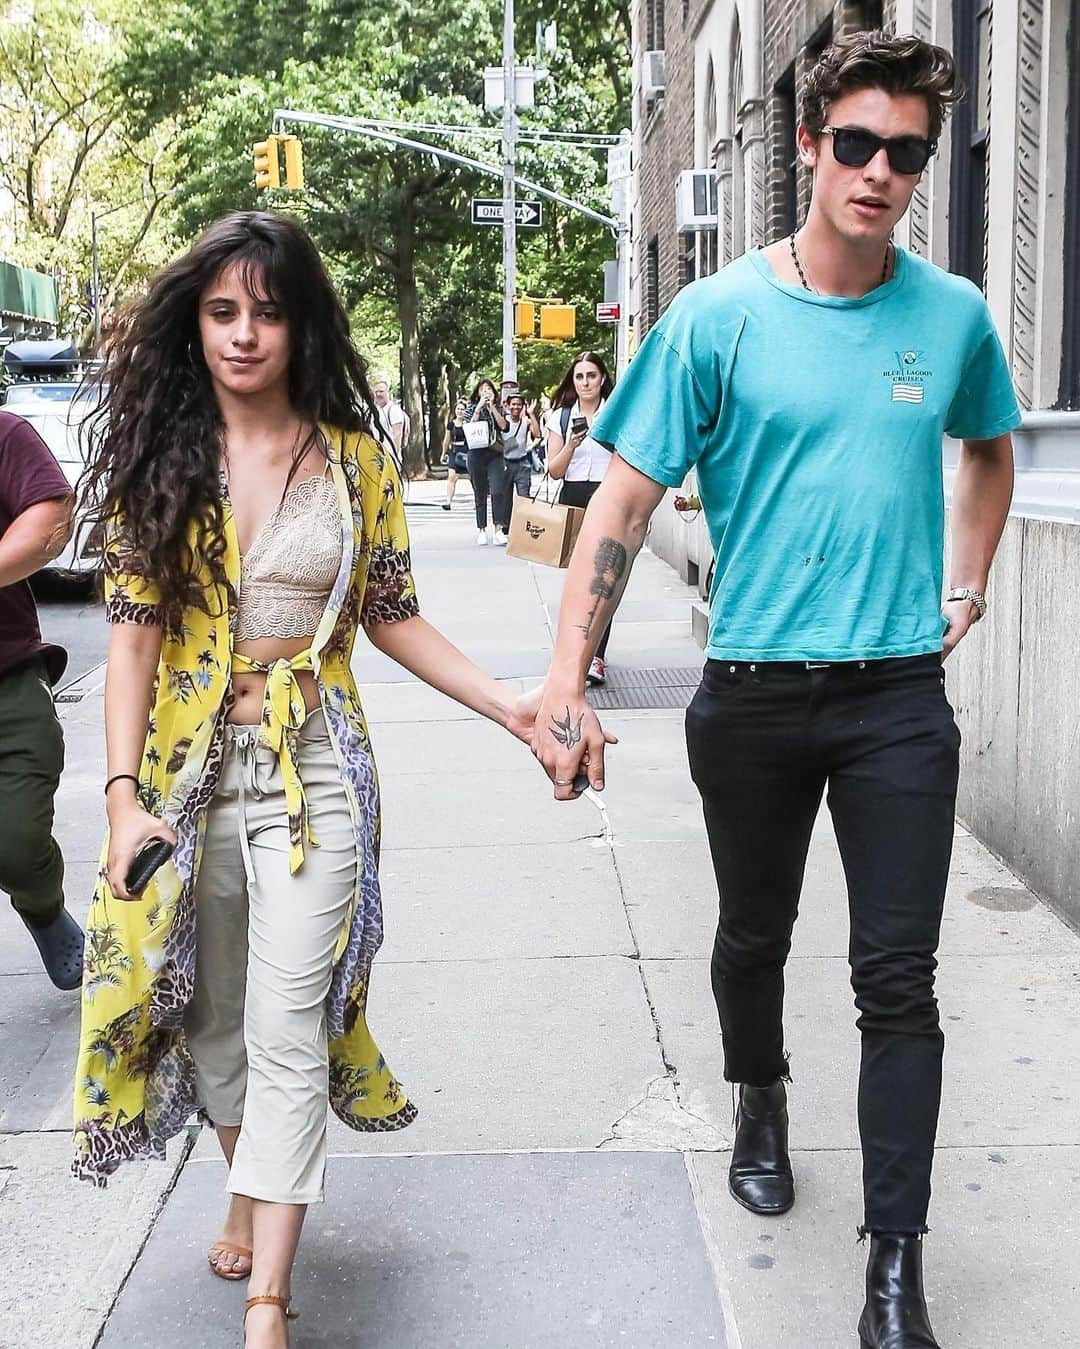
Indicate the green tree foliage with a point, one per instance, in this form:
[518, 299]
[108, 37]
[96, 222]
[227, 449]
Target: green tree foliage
[69, 152]
[393, 224]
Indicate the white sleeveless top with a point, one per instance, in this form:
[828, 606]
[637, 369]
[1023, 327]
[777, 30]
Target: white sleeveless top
[289, 571]
[590, 460]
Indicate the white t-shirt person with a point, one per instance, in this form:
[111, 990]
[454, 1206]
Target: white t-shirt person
[590, 460]
[391, 417]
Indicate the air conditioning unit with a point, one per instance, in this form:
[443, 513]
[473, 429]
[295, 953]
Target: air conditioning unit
[695, 201]
[653, 81]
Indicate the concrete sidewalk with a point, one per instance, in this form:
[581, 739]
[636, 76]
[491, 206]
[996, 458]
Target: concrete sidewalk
[544, 994]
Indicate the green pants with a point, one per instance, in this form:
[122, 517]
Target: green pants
[31, 761]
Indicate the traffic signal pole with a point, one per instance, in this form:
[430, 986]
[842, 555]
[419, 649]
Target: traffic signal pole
[509, 139]
[619, 225]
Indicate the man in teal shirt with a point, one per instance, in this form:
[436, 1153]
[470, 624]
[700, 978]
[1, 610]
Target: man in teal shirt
[810, 385]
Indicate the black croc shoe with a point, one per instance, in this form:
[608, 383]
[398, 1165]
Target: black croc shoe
[60, 945]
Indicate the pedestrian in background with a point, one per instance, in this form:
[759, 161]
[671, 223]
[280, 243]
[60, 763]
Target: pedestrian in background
[35, 525]
[391, 417]
[254, 527]
[539, 445]
[576, 458]
[521, 431]
[485, 456]
[455, 451]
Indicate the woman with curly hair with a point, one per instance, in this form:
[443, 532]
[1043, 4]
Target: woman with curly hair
[253, 525]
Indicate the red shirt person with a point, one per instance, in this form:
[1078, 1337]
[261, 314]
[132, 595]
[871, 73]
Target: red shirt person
[35, 524]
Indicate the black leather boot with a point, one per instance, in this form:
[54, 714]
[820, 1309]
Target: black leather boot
[760, 1178]
[895, 1315]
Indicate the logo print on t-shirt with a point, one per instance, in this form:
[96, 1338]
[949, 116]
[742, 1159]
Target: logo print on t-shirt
[908, 376]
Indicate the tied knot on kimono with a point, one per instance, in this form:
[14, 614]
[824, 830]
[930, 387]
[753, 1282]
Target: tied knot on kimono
[283, 714]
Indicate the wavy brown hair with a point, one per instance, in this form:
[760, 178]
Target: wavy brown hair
[876, 60]
[156, 438]
[565, 396]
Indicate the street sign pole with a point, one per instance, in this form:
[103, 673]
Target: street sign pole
[509, 137]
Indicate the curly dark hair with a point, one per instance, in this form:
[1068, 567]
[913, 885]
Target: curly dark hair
[565, 396]
[156, 437]
[877, 60]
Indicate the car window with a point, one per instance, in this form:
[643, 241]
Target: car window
[40, 395]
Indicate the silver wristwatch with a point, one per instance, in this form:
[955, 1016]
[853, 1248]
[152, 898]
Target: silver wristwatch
[975, 597]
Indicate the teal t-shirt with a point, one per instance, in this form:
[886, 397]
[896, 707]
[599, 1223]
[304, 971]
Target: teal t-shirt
[815, 424]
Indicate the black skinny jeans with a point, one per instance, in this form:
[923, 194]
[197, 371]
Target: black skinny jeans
[580, 494]
[486, 476]
[764, 741]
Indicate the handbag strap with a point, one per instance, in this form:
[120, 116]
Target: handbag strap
[547, 495]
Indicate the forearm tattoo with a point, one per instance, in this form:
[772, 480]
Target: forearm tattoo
[565, 732]
[606, 584]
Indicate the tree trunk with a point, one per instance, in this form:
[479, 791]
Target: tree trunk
[414, 461]
[434, 372]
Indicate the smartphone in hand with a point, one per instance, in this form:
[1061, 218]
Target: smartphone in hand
[578, 425]
[152, 855]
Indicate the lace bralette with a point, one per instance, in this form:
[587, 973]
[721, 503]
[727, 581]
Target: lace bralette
[289, 571]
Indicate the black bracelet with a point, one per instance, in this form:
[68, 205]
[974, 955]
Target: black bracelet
[121, 777]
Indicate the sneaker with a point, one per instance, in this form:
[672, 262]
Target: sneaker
[482, 538]
[597, 673]
[500, 539]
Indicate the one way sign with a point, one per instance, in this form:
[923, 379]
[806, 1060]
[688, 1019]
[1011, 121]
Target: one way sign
[489, 211]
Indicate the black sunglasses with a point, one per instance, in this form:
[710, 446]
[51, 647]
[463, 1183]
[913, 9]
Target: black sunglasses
[855, 147]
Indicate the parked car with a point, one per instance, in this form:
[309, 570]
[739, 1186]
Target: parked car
[55, 410]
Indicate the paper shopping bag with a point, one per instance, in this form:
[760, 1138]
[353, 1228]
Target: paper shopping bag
[544, 531]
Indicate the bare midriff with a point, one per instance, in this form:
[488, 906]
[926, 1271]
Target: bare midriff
[249, 689]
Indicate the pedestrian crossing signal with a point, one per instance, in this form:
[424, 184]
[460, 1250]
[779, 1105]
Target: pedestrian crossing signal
[264, 155]
[557, 322]
[524, 318]
[294, 163]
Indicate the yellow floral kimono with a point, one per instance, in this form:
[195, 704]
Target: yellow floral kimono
[135, 1079]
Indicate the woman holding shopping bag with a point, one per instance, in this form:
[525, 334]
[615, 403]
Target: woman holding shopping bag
[253, 526]
[485, 421]
[574, 456]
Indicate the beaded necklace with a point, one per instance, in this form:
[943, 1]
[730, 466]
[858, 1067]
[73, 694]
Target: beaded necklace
[802, 275]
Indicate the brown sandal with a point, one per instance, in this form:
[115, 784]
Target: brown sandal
[228, 1248]
[282, 1302]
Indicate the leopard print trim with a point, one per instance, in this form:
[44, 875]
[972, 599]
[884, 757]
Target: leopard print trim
[389, 1124]
[389, 594]
[175, 982]
[119, 609]
[101, 1151]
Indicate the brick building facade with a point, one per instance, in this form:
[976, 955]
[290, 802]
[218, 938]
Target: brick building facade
[1000, 203]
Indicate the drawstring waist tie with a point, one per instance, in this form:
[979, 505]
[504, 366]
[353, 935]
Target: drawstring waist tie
[283, 714]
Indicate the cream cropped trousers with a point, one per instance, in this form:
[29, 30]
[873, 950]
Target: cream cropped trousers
[256, 1025]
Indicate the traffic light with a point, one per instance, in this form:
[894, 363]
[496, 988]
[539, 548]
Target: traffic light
[557, 322]
[264, 155]
[524, 318]
[294, 163]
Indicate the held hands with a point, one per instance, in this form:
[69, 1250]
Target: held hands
[129, 828]
[568, 739]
